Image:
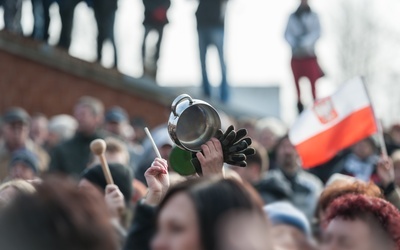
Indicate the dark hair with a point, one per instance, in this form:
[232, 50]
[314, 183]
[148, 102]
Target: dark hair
[57, 216]
[380, 214]
[213, 198]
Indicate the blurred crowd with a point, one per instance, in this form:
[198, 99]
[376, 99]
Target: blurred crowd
[54, 193]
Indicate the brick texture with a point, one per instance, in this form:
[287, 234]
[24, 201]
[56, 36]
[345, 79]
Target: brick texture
[40, 88]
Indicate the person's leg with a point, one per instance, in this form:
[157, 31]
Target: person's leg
[38, 19]
[98, 15]
[218, 41]
[313, 74]
[296, 70]
[67, 8]
[147, 30]
[46, 18]
[160, 31]
[110, 28]
[12, 15]
[203, 45]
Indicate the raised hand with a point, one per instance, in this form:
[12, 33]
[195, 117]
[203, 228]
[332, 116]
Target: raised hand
[114, 200]
[211, 157]
[157, 179]
[385, 170]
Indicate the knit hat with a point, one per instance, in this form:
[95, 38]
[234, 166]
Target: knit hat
[27, 157]
[286, 213]
[121, 175]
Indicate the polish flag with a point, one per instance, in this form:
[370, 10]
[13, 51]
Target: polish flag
[333, 123]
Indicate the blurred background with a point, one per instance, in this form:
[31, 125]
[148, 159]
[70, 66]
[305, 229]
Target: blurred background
[359, 37]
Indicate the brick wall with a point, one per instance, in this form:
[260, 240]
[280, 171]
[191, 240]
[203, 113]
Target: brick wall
[40, 88]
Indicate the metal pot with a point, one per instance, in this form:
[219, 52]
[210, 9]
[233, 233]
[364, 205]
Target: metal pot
[192, 122]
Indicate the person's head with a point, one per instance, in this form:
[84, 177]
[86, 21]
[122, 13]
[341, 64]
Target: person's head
[257, 164]
[360, 222]
[396, 164]
[188, 215]
[116, 152]
[57, 216]
[93, 179]
[39, 129]
[394, 133]
[290, 226]
[116, 121]
[89, 113]
[364, 148]
[15, 127]
[61, 128]
[11, 189]
[244, 230]
[268, 131]
[286, 156]
[138, 124]
[340, 188]
[23, 165]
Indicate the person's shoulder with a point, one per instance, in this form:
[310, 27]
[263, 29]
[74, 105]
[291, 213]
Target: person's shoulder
[306, 177]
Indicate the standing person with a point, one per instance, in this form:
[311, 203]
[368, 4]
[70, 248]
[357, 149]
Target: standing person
[210, 16]
[302, 32]
[72, 156]
[155, 19]
[104, 12]
[15, 131]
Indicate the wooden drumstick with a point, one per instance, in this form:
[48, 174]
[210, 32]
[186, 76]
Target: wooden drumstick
[98, 148]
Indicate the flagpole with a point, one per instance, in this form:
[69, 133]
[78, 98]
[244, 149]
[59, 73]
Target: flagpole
[381, 138]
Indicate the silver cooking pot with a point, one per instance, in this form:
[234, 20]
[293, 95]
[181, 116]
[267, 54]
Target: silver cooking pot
[192, 122]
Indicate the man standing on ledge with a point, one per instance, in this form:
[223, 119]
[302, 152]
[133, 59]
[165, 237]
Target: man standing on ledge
[210, 16]
[302, 32]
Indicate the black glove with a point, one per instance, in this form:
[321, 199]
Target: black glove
[235, 148]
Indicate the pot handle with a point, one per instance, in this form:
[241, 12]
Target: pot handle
[178, 100]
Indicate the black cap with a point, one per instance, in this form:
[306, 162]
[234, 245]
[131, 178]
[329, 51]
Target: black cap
[121, 175]
[16, 114]
[116, 114]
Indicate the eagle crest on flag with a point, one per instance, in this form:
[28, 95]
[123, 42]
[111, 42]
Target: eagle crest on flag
[325, 110]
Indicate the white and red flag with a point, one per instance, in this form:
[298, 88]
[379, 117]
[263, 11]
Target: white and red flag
[333, 123]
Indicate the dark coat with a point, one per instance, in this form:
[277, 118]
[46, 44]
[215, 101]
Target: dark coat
[155, 12]
[72, 156]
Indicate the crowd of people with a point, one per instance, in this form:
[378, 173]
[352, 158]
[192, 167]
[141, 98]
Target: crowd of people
[54, 194]
[210, 17]
[302, 33]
